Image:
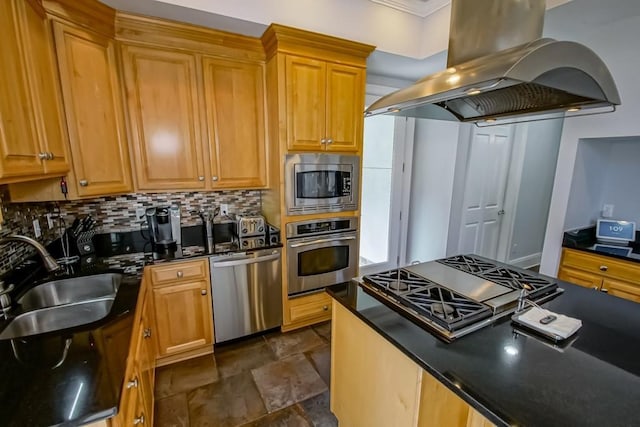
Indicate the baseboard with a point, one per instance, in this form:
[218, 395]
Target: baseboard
[527, 261]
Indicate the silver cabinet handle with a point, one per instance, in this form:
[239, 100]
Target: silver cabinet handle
[323, 141]
[325, 307]
[146, 333]
[50, 156]
[203, 292]
[133, 383]
[246, 261]
[214, 178]
[603, 268]
[43, 156]
[84, 183]
[606, 291]
[201, 178]
[329, 141]
[138, 420]
[316, 242]
[179, 274]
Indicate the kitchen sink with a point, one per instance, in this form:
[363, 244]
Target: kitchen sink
[71, 291]
[56, 318]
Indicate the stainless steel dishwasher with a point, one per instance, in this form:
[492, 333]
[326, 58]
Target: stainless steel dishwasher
[246, 290]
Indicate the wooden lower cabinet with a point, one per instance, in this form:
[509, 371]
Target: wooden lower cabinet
[365, 391]
[600, 272]
[307, 310]
[136, 400]
[182, 310]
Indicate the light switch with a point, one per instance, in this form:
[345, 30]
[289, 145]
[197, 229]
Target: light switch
[607, 211]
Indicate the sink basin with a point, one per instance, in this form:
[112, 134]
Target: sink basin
[57, 318]
[70, 291]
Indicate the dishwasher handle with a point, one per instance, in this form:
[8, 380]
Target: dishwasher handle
[246, 261]
[315, 242]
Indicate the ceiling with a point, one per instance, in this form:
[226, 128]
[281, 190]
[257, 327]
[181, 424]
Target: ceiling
[411, 35]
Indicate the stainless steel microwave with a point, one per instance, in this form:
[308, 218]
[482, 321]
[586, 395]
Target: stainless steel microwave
[316, 183]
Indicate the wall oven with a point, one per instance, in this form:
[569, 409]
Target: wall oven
[317, 183]
[321, 253]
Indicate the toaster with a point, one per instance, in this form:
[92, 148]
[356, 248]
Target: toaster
[250, 226]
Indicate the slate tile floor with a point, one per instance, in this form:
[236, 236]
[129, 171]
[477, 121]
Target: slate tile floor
[272, 380]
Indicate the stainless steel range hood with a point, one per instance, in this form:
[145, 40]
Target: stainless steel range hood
[499, 67]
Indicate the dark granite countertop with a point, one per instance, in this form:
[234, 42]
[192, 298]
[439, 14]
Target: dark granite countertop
[44, 385]
[515, 379]
[585, 240]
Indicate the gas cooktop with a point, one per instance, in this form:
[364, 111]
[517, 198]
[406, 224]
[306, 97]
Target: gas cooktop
[458, 295]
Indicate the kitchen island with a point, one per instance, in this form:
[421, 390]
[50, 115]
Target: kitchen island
[507, 377]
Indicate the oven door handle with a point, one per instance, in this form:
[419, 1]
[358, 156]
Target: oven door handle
[246, 261]
[317, 242]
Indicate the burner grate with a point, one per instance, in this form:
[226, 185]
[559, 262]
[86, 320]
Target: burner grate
[398, 281]
[468, 264]
[446, 307]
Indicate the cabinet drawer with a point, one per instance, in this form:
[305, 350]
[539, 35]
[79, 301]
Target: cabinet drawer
[311, 306]
[177, 272]
[622, 289]
[603, 265]
[578, 277]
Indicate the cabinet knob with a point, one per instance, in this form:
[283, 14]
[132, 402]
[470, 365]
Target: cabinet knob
[603, 268]
[84, 183]
[179, 274]
[146, 333]
[604, 290]
[214, 178]
[50, 156]
[325, 307]
[43, 156]
[203, 292]
[133, 383]
[329, 141]
[138, 420]
[323, 141]
[201, 178]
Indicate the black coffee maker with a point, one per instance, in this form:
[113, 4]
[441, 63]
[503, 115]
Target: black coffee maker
[164, 230]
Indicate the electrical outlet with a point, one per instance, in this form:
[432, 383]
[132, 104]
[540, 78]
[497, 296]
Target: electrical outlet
[224, 209]
[607, 211]
[50, 223]
[36, 228]
[140, 213]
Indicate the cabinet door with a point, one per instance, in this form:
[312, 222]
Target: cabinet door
[44, 86]
[146, 356]
[306, 103]
[19, 145]
[581, 278]
[93, 109]
[183, 317]
[621, 289]
[345, 107]
[234, 93]
[162, 95]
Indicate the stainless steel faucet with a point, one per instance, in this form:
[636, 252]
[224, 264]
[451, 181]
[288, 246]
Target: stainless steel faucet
[49, 262]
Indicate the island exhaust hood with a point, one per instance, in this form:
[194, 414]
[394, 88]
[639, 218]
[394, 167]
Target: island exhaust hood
[499, 67]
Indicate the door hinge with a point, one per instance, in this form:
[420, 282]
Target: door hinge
[402, 167]
[398, 260]
[400, 215]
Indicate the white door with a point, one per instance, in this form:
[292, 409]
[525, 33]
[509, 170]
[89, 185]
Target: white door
[485, 185]
[384, 192]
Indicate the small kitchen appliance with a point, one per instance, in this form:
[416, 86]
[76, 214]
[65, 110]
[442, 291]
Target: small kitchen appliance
[316, 183]
[164, 230]
[253, 225]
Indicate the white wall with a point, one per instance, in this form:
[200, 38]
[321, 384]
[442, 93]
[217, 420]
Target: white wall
[434, 158]
[534, 195]
[606, 171]
[617, 45]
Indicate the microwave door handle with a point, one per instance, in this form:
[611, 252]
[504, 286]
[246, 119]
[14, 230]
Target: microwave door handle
[315, 242]
[246, 261]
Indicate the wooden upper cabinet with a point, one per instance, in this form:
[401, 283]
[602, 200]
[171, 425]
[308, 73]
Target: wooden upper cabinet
[162, 96]
[235, 98]
[306, 104]
[31, 129]
[345, 107]
[325, 103]
[93, 108]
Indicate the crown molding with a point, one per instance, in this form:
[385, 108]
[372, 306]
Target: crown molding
[421, 8]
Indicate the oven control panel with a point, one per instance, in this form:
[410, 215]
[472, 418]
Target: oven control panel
[315, 227]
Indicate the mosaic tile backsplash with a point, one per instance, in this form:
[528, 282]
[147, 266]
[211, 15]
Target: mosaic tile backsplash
[112, 214]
